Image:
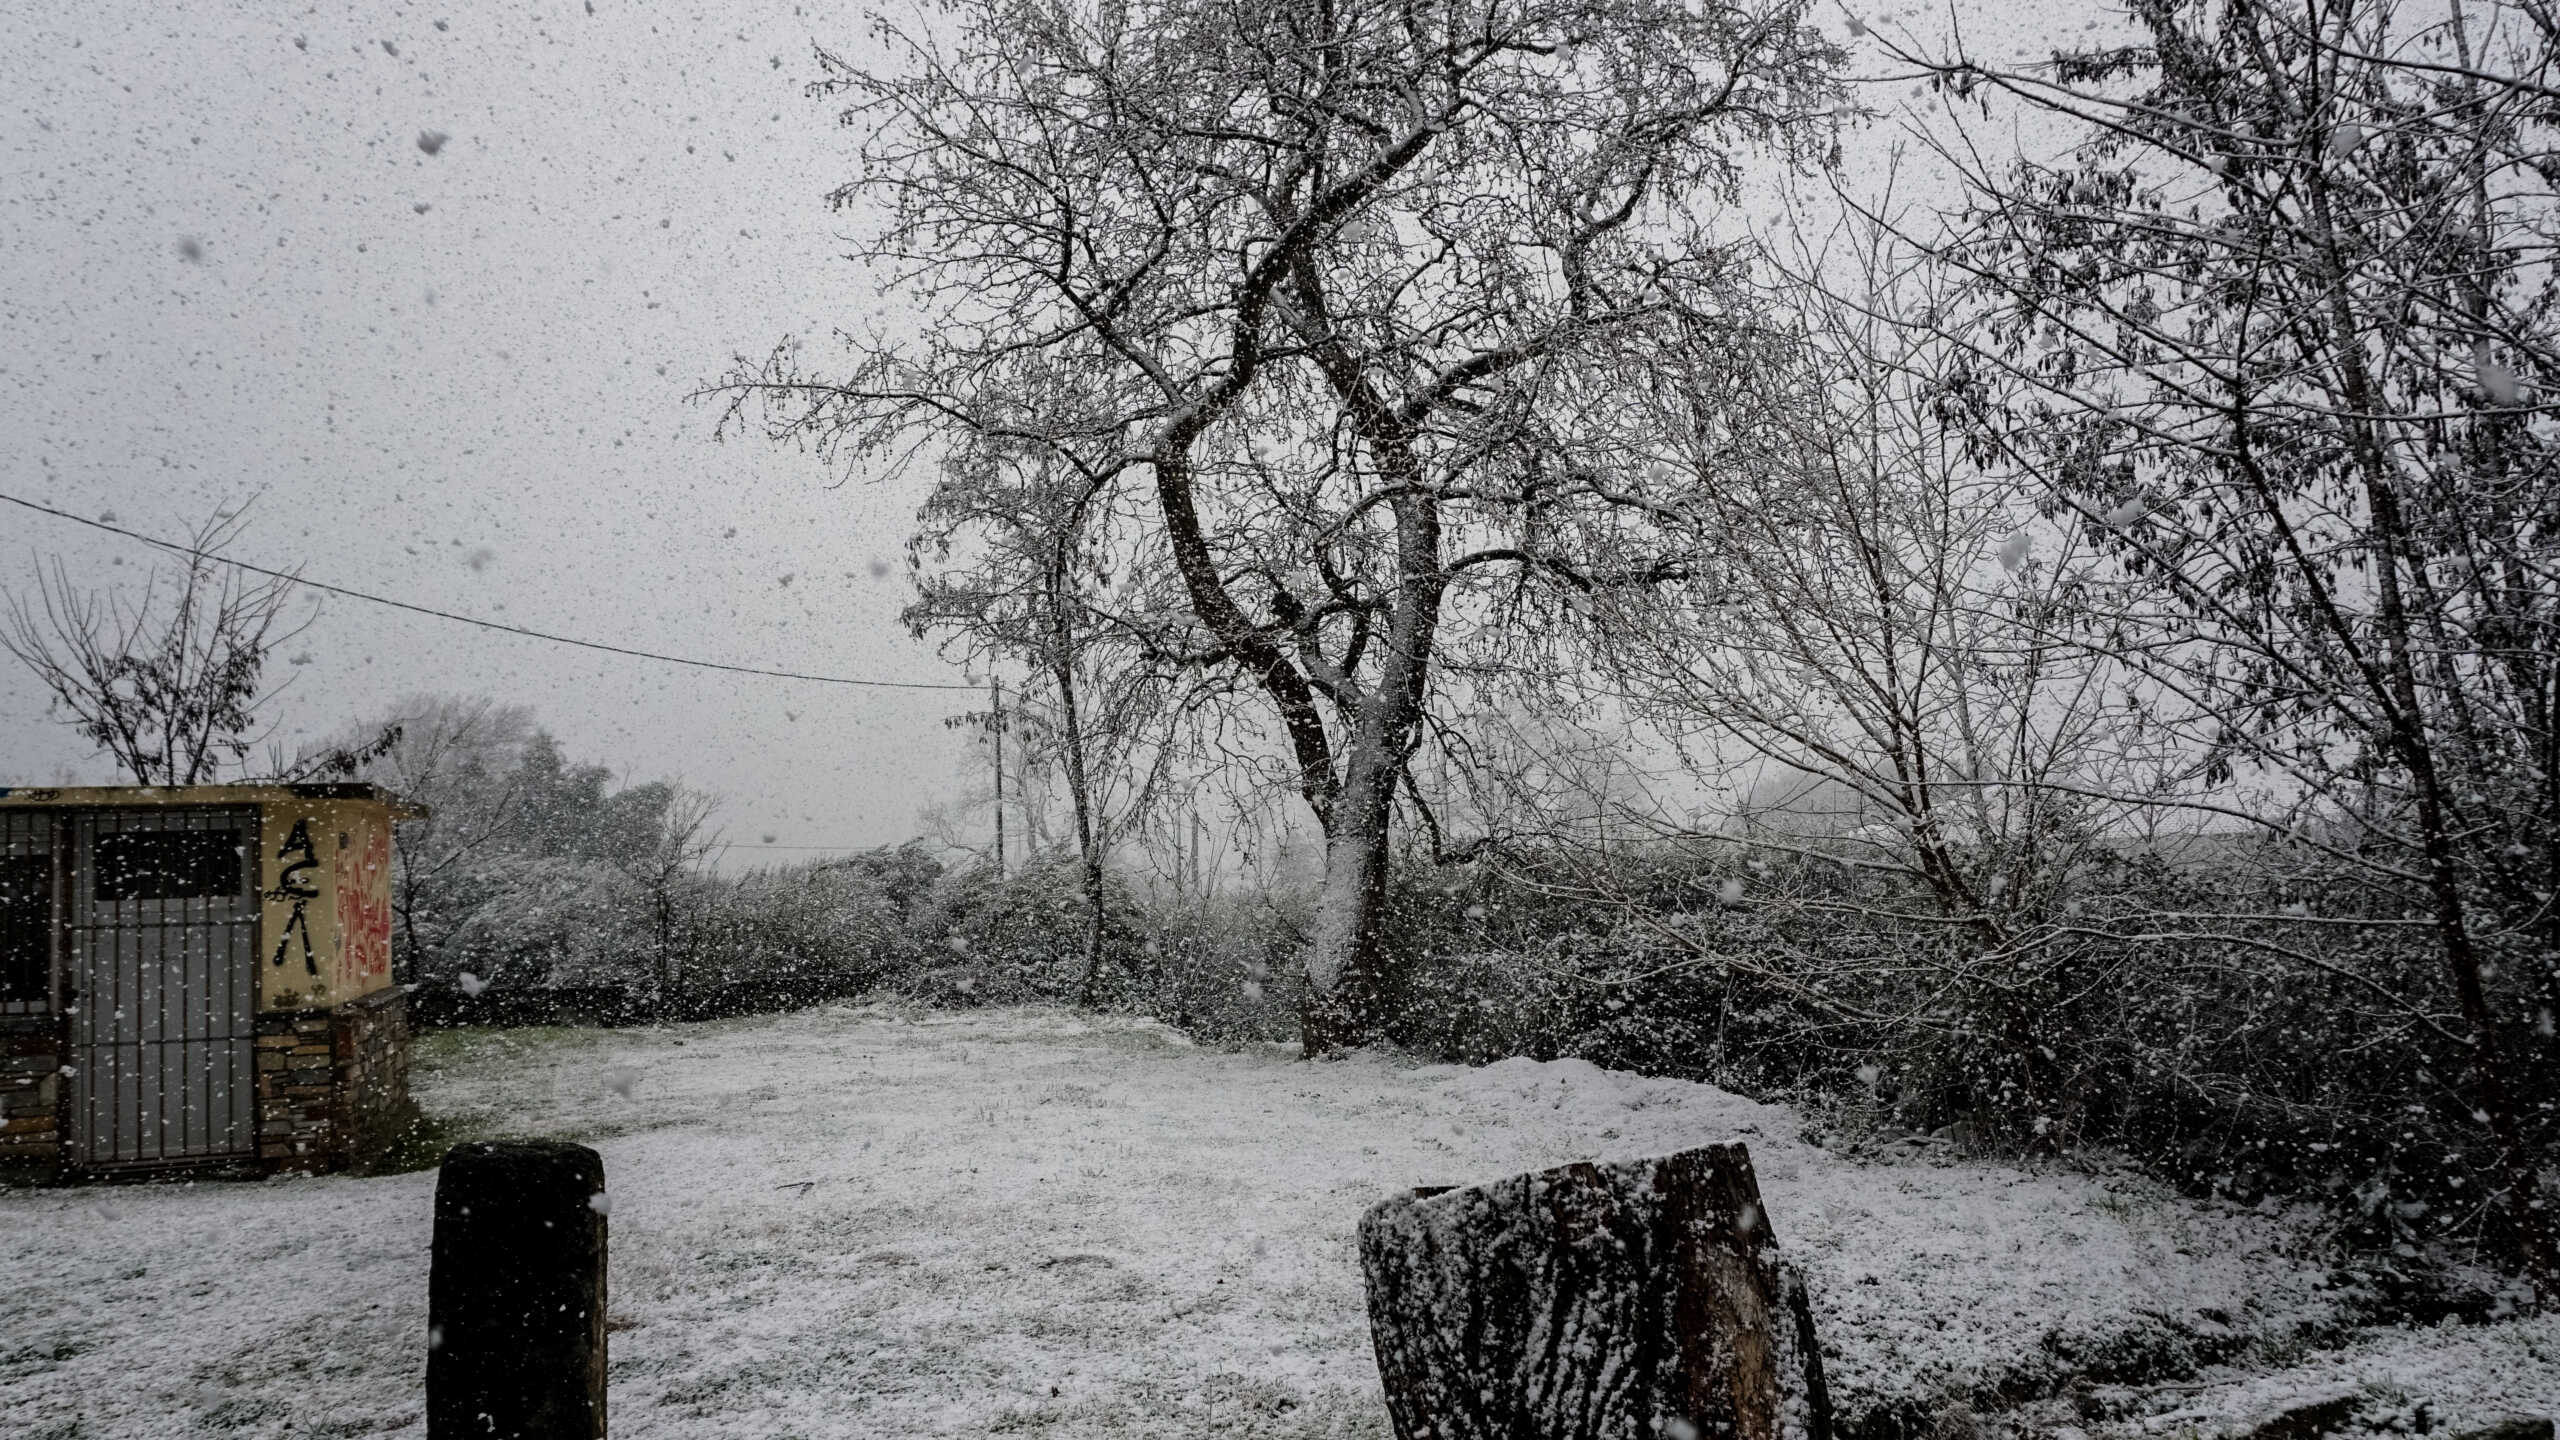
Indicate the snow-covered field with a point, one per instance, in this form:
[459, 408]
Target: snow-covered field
[875, 1222]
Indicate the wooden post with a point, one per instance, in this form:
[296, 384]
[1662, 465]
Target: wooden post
[1633, 1301]
[515, 1294]
[995, 727]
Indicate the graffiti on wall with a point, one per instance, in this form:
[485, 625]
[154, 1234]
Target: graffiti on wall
[361, 876]
[299, 856]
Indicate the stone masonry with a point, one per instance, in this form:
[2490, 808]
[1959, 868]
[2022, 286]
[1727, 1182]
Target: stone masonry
[30, 1097]
[295, 1064]
[370, 1042]
[333, 1085]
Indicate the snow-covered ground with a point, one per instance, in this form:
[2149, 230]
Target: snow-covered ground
[874, 1222]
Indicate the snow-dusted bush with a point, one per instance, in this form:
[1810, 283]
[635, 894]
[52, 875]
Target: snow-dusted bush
[1222, 967]
[989, 939]
[2247, 1049]
[779, 937]
[542, 922]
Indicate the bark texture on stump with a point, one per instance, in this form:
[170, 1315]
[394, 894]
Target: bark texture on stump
[515, 1294]
[1637, 1301]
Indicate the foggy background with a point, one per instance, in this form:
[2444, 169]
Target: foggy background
[228, 268]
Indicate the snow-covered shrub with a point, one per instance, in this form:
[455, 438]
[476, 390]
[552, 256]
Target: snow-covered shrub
[2251, 1048]
[543, 922]
[1223, 967]
[986, 939]
[780, 937]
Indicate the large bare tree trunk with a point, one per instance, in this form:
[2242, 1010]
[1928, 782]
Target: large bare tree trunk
[1632, 1301]
[1342, 954]
[1345, 962]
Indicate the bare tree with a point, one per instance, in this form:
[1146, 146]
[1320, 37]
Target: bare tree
[1031, 590]
[1893, 627]
[683, 841]
[1887, 679]
[456, 757]
[168, 682]
[1324, 315]
[2288, 330]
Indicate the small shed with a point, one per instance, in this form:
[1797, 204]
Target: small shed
[198, 977]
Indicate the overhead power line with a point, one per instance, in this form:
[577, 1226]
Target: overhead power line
[501, 626]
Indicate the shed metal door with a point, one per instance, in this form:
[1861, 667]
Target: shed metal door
[162, 965]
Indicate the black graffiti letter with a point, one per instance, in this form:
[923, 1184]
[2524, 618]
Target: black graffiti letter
[290, 885]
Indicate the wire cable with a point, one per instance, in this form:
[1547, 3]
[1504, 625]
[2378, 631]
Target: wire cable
[327, 588]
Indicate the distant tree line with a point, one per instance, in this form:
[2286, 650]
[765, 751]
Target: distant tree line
[534, 875]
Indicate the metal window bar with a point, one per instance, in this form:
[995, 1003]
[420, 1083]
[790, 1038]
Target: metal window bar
[28, 912]
[162, 940]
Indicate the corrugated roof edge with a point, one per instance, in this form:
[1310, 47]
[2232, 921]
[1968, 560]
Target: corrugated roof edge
[250, 794]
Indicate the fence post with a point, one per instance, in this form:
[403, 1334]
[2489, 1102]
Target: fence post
[1643, 1300]
[515, 1294]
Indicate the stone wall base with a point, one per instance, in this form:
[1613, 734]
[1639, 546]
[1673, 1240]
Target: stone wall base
[333, 1085]
[30, 1099]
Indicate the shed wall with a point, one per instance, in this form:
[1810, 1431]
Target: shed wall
[325, 879]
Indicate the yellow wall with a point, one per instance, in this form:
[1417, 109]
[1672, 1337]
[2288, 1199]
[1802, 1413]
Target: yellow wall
[324, 878]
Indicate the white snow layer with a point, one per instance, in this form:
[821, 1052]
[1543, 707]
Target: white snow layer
[866, 1222]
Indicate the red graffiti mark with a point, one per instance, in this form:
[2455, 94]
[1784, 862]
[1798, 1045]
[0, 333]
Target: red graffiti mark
[362, 875]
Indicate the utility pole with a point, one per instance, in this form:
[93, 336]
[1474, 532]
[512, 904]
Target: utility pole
[995, 728]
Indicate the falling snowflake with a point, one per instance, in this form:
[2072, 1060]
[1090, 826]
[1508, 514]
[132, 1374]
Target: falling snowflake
[471, 984]
[432, 141]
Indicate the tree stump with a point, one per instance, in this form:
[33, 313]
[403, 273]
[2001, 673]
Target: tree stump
[515, 1294]
[1632, 1301]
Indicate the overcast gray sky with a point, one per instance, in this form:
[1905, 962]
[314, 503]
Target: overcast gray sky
[458, 378]
[228, 268]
